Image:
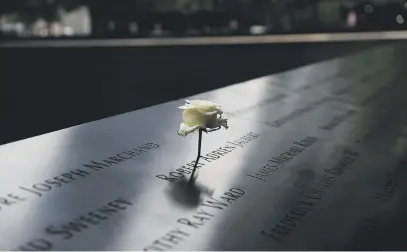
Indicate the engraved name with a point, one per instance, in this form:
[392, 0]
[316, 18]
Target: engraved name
[69, 177]
[392, 184]
[76, 226]
[337, 120]
[275, 163]
[207, 211]
[230, 146]
[309, 199]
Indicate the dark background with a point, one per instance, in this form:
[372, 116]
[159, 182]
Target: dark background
[20, 19]
[50, 88]
[71, 86]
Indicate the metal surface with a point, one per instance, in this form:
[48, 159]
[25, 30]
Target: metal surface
[314, 159]
[223, 40]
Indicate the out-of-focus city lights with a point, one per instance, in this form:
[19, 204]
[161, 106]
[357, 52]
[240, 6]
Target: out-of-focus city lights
[400, 19]
[110, 18]
[133, 27]
[352, 19]
[257, 29]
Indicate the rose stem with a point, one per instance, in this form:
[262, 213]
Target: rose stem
[199, 154]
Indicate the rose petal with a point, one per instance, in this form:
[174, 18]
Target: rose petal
[201, 114]
[186, 106]
[193, 117]
[205, 105]
[223, 122]
[185, 129]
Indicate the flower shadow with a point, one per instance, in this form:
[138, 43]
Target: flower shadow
[188, 193]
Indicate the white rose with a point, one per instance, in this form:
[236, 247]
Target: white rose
[201, 114]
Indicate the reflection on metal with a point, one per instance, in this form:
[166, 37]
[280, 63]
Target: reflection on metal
[266, 39]
[314, 159]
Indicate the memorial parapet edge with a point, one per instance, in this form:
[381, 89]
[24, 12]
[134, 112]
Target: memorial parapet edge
[315, 158]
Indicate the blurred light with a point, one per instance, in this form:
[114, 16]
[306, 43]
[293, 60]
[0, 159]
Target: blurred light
[43, 33]
[19, 28]
[133, 27]
[368, 8]
[233, 24]
[352, 19]
[111, 25]
[400, 19]
[78, 20]
[158, 29]
[40, 28]
[68, 31]
[56, 29]
[257, 29]
[405, 6]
